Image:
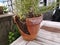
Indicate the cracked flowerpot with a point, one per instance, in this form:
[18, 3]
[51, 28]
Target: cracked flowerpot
[30, 28]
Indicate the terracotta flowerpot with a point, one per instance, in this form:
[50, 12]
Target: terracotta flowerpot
[33, 26]
[1, 9]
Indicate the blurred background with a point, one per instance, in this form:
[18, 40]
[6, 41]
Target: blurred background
[8, 29]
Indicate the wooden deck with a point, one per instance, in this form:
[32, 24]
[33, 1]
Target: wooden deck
[44, 37]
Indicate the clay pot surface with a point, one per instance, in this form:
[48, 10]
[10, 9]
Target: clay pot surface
[33, 26]
[1, 10]
[30, 28]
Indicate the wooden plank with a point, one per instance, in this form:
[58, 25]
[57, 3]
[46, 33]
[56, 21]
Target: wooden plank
[5, 28]
[6, 15]
[43, 38]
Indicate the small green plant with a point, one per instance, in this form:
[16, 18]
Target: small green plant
[5, 9]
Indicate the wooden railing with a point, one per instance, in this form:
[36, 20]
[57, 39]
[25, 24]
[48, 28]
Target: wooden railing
[5, 27]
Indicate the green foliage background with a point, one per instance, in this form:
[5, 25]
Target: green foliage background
[13, 35]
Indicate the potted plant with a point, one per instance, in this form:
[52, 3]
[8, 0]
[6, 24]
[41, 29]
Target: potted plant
[1, 9]
[29, 17]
